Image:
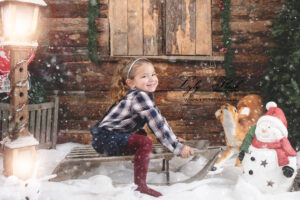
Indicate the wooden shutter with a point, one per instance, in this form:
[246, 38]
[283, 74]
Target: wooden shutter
[151, 26]
[134, 27]
[203, 27]
[188, 27]
[118, 27]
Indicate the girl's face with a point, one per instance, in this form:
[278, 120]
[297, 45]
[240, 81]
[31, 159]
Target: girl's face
[144, 78]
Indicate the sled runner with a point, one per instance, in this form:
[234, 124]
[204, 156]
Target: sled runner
[85, 159]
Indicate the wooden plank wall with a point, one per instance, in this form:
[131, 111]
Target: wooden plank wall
[188, 22]
[136, 27]
[189, 92]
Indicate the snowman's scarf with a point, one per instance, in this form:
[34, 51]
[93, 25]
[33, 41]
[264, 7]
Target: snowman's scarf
[282, 147]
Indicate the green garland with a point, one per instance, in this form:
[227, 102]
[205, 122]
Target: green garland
[227, 50]
[92, 31]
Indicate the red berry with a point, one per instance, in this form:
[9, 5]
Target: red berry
[224, 50]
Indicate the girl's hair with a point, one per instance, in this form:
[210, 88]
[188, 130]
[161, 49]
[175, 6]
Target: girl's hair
[125, 70]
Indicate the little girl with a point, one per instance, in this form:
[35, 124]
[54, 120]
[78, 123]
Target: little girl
[119, 132]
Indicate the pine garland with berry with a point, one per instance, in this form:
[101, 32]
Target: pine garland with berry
[36, 93]
[13, 135]
[281, 82]
[224, 6]
[92, 31]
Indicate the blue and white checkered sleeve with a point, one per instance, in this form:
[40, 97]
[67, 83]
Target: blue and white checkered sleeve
[146, 108]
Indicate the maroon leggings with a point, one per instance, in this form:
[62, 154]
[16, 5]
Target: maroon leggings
[142, 147]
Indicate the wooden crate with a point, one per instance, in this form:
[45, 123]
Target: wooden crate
[42, 122]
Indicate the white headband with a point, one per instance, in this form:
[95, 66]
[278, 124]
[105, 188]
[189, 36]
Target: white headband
[132, 64]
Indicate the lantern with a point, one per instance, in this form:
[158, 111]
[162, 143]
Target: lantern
[19, 35]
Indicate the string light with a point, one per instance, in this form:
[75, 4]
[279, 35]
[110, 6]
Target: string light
[13, 133]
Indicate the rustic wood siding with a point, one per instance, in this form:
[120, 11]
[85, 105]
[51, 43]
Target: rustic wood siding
[203, 28]
[136, 24]
[119, 27]
[188, 27]
[189, 92]
[137, 27]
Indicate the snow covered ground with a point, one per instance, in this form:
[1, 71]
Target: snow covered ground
[115, 181]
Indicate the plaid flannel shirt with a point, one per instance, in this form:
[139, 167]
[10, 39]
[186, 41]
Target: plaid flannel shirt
[131, 114]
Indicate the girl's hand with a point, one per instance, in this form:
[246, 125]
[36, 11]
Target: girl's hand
[180, 139]
[186, 152]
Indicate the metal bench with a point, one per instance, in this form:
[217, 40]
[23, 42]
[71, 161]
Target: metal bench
[85, 159]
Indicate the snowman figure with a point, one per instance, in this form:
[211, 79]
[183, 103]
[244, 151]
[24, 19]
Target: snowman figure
[269, 161]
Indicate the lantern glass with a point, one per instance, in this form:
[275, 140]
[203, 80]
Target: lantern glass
[19, 22]
[24, 163]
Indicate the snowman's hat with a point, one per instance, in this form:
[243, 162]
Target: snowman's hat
[275, 115]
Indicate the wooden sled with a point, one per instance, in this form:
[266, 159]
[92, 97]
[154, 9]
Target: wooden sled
[85, 159]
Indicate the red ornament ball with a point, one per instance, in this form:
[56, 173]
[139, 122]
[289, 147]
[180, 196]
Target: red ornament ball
[224, 50]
